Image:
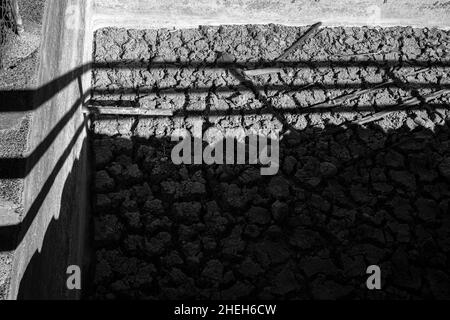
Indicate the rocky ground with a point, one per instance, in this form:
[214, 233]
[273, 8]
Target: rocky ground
[346, 196]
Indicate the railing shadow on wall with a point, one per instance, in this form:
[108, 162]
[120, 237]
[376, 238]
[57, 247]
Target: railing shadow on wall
[29, 100]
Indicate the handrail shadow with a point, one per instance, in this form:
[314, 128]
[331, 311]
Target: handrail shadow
[32, 99]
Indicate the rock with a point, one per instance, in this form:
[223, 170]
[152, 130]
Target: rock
[402, 209]
[123, 146]
[360, 193]
[234, 196]
[278, 188]
[315, 265]
[328, 169]
[280, 211]
[155, 225]
[154, 207]
[285, 282]
[233, 246]
[196, 188]
[213, 271]
[439, 283]
[103, 156]
[394, 159]
[209, 244]
[353, 266]
[149, 102]
[108, 230]
[192, 250]
[142, 193]
[444, 168]
[250, 176]
[102, 203]
[115, 170]
[183, 190]
[304, 239]
[252, 231]
[405, 275]
[404, 178]
[427, 209]
[371, 233]
[157, 245]
[372, 254]
[382, 188]
[271, 253]
[289, 165]
[145, 151]
[143, 276]
[274, 233]
[320, 203]
[187, 212]
[102, 272]
[172, 259]
[134, 244]
[238, 291]
[216, 223]
[103, 182]
[129, 206]
[403, 233]
[411, 48]
[329, 290]
[258, 216]
[132, 174]
[133, 220]
[250, 269]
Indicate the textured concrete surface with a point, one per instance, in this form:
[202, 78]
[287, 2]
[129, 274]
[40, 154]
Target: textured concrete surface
[51, 228]
[191, 13]
[346, 196]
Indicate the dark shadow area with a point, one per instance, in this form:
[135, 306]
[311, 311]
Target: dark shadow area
[11, 236]
[343, 200]
[66, 243]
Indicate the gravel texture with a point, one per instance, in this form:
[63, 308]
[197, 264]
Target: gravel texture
[20, 52]
[346, 196]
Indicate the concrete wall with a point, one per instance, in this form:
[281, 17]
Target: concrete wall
[191, 13]
[46, 231]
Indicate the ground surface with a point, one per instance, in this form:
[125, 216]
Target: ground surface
[346, 196]
[20, 52]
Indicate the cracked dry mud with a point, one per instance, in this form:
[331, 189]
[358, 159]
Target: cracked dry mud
[346, 197]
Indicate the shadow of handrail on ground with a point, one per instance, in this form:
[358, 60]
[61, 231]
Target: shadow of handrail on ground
[32, 99]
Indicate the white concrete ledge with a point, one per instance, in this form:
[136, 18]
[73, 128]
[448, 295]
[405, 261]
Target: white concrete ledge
[192, 13]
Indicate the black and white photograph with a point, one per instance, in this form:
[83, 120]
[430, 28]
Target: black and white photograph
[216, 158]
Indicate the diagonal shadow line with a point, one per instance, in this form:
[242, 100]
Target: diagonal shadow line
[19, 168]
[181, 114]
[173, 91]
[12, 236]
[261, 97]
[298, 111]
[31, 99]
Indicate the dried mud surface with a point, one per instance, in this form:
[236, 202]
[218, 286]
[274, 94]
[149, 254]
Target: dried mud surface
[346, 196]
